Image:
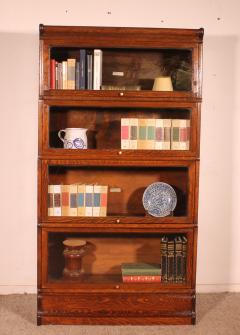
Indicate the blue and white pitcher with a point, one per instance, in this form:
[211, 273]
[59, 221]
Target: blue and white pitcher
[74, 138]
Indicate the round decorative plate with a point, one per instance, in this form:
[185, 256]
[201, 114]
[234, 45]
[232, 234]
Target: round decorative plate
[159, 199]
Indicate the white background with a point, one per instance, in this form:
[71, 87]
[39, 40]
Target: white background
[219, 222]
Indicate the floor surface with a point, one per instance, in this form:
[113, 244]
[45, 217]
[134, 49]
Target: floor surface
[217, 314]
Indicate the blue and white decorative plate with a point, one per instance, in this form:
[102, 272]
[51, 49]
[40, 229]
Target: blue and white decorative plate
[159, 199]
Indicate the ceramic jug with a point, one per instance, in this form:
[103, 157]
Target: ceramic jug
[74, 138]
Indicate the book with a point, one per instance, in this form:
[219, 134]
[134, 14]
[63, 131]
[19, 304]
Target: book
[137, 269]
[65, 200]
[64, 75]
[184, 257]
[142, 134]
[133, 128]
[52, 73]
[178, 259]
[73, 208]
[170, 261]
[89, 70]
[56, 75]
[162, 134]
[164, 258]
[60, 80]
[82, 69]
[77, 75]
[103, 200]
[71, 64]
[125, 134]
[50, 200]
[141, 279]
[88, 200]
[81, 200]
[121, 87]
[151, 126]
[96, 199]
[97, 69]
[57, 210]
[180, 134]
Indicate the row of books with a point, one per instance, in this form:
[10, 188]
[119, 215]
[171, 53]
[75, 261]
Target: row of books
[155, 134]
[83, 72]
[77, 200]
[173, 258]
[141, 272]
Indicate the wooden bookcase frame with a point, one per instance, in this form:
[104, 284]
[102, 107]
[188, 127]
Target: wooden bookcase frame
[63, 302]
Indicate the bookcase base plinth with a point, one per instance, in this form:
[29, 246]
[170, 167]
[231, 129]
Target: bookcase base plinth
[116, 308]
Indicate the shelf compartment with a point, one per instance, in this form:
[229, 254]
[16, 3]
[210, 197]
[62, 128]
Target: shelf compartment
[104, 129]
[101, 269]
[130, 182]
[136, 67]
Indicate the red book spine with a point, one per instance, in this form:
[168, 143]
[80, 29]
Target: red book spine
[52, 73]
[141, 279]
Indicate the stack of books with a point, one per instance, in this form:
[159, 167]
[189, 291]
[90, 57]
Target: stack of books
[141, 273]
[77, 200]
[155, 134]
[83, 72]
[173, 258]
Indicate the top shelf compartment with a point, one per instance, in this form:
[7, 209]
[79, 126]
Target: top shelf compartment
[95, 67]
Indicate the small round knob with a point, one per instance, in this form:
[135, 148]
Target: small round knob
[117, 286]
[118, 220]
[119, 152]
[121, 94]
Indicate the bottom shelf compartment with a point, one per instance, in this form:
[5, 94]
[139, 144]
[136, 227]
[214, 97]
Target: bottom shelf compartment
[116, 308]
[116, 260]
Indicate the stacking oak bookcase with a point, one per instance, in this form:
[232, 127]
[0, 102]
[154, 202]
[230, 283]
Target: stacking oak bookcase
[84, 284]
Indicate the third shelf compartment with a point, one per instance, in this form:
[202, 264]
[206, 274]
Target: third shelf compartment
[126, 185]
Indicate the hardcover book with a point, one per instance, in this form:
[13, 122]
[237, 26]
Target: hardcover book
[82, 71]
[151, 128]
[52, 73]
[73, 208]
[89, 70]
[97, 69]
[50, 200]
[141, 279]
[184, 256]
[64, 75]
[71, 64]
[103, 200]
[178, 259]
[89, 200]
[133, 126]
[142, 134]
[164, 258]
[65, 199]
[163, 134]
[96, 199]
[125, 134]
[137, 269]
[180, 134]
[81, 200]
[170, 263]
[57, 210]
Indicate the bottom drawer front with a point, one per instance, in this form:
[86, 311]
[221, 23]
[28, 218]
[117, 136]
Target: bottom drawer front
[151, 304]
